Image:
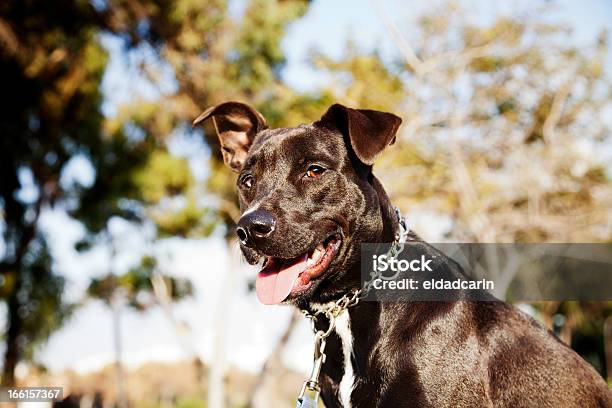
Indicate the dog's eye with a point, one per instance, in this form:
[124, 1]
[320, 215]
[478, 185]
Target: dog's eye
[247, 181]
[314, 171]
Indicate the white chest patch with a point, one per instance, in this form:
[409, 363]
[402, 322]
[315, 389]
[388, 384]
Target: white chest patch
[343, 329]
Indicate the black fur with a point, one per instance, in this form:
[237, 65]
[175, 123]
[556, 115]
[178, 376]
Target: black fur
[411, 354]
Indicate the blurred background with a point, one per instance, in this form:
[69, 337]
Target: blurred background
[119, 278]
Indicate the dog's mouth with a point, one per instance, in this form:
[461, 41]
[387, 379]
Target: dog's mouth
[280, 278]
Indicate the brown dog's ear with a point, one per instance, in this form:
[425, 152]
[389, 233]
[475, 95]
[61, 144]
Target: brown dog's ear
[369, 131]
[237, 124]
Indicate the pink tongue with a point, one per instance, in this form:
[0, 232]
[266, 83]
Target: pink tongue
[274, 285]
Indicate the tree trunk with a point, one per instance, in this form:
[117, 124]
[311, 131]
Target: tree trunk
[120, 378]
[607, 332]
[12, 354]
[258, 398]
[216, 389]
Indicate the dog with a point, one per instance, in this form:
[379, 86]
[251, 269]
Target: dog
[308, 200]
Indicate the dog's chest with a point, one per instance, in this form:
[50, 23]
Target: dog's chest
[343, 329]
[342, 357]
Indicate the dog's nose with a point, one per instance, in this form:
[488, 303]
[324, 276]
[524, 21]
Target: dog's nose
[254, 226]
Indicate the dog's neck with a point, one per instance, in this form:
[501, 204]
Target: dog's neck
[357, 327]
[387, 211]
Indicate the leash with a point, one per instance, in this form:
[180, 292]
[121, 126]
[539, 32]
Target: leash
[311, 389]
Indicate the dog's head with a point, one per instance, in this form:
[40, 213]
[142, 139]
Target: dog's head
[307, 196]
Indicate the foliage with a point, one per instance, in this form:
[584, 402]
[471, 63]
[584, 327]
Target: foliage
[52, 65]
[51, 68]
[45, 310]
[136, 286]
[501, 126]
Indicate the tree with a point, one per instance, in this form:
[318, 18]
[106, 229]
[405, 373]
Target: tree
[53, 63]
[51, 68]
[136, 289]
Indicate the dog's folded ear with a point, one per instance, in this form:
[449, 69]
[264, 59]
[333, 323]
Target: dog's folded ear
[369, 131]
[237, 124]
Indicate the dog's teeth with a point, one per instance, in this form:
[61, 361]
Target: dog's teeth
[316, 255]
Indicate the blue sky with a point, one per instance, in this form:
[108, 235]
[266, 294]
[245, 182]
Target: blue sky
[329, 25]
[86, 342]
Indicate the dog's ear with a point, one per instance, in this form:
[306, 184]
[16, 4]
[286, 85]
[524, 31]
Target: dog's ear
[369, 131]
[237, 124]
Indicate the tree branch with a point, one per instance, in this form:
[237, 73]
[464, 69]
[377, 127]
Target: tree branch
[404, 47]
[552, 120]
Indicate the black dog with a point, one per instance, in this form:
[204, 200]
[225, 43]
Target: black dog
[308, 200]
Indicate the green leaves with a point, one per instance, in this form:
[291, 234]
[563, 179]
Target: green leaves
[45, 310]
[136, 287]
[189, 220]
[163, 176]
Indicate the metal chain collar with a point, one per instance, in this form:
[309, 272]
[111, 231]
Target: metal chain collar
[333, 310]
[309, 394]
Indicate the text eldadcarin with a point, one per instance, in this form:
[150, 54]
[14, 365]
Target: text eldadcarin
[388, 269]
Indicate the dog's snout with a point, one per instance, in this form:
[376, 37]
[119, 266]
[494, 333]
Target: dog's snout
[254, 226]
